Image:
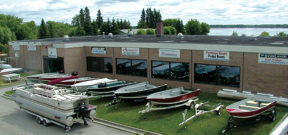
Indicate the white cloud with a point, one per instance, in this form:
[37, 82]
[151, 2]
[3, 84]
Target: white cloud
[210, 11]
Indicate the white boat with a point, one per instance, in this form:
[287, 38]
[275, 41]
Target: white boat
[35, 78]
[54, 104]
[82, 86]
[11, 70]
[234, 94]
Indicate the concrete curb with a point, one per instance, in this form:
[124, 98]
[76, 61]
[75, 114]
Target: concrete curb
[124, 127]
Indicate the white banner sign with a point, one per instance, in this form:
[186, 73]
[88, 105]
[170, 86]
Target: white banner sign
[170, 53]
[216, 55]
[16, 47]
[98, 50]
[52, 53]
[131, 51]
[31, 47]
[281, 59]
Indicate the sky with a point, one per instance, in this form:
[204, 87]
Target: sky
[209, 11]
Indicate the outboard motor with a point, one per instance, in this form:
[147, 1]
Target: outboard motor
[74, 73]
[102, 85]
[82, 112]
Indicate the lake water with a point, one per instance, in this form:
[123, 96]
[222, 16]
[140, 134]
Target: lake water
[246, 31]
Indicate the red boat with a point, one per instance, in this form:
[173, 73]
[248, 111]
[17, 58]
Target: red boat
[172, 96]
[52, 82]
[48, 78]
[69, 82]
[248, 110]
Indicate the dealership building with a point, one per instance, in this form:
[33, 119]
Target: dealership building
[210, 63]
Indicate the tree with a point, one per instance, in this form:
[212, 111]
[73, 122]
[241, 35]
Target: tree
[235, 34]
[193, 27]
[87, 22]
[205, 29]
[264, 34]
[281, 34]
[167, 31]
[140, 32]
[42, 30]
[76, 20]
[106, 27]
[150, 31]
[80, 31]
[6, 35]
[114, 27]
[99, 19]
[94, 28]
[172, 30]
[81, 17]
[60, 29]
[141, 24]
[51, 30]
[176, 23]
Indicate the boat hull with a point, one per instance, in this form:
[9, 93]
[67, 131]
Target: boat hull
[106, 90]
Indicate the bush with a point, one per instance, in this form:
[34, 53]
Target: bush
[4, 48]
[281, 34]
[150, 32]
[264, 34]
[140, 32]
[172, 30]
[235, 34]
[167, 31]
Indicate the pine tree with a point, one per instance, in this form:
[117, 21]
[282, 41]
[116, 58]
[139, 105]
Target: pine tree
[143, 16]
[94, 28]
[42, 30]
[99, 19]
[51, 30]
[114, 27]
[81, 17]
[87, 22]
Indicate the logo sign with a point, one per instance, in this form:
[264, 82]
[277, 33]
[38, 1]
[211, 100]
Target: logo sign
[31, 47]
[98, 50]
[216, 55]
[130, 51]
[169, 53]
[16, 47]
[281, 59]
[52, 53]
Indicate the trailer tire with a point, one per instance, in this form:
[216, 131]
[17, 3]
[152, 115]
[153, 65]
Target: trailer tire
[273, 115]
[191, 106]
[39, 121]
[45, 123]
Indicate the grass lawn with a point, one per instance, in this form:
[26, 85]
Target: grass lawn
[166, 121]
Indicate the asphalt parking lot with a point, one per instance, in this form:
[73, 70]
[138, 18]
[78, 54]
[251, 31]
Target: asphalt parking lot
[13, 121]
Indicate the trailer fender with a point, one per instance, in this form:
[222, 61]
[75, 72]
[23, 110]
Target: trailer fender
[69, 121]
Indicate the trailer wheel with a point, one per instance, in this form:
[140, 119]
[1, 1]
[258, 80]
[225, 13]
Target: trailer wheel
[218, 112]
[67, 128]
[44, 122]
[191, 106]
[273, 115]
[39, 121]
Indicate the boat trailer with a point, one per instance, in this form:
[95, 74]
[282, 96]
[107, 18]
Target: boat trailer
[149, 106]
[199, 112]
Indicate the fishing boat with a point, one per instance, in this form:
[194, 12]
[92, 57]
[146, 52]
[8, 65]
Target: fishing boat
[82, 86]
[50, 77]
[107, 88]
[11, 70]
[52, 104]
[35, 78]
[138, 91]
[250, 109]
[69, 82]
[172, 96]
[234, 94]
[170, 99]
[52, 82]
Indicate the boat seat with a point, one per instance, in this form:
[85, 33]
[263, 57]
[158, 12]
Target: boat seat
[264, 104]
[246, 107]
[252, 103]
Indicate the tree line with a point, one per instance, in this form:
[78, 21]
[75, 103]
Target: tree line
[251, 26]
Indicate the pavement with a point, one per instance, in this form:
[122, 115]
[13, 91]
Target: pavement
[13, 121]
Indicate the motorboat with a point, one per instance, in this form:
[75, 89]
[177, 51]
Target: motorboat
[138, 91]
[11, 70]
[172, 96]
[249, 110]
[36, 77]
[107, 88]
[82, 86]
[50, 77]
[52, 82]
[53, 103]
[69, 82]
[234, 94]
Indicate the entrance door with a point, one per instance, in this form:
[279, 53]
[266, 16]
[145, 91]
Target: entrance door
[53, 64]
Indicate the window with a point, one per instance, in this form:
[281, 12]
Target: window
[170, 70]
[131, 67]
[99, 64]
[217, 75]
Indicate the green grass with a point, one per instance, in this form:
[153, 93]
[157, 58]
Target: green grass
[166, 121]
[9, 92]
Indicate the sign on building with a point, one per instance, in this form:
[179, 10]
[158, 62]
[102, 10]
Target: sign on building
[216, 55]
[281, 59]
[52, 53]
[31, 47]
[16, 47]
[98, 50]
[131, 51]
[169, 53]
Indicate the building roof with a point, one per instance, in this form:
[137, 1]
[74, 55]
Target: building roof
[190, 42]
